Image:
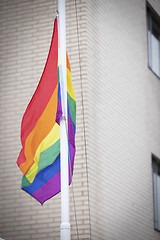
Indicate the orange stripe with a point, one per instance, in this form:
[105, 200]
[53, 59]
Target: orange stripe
[40, 131]
[67, 62]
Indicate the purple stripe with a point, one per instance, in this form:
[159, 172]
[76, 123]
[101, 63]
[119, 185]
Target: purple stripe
[49, 189]
[59, 112]
[71, 132]
[71, 164]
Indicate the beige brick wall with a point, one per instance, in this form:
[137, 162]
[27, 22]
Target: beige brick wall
[123, 120]
[25, 34]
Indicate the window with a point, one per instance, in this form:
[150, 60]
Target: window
[153, 20]
[156, 192]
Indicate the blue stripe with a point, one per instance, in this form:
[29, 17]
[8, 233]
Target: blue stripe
[43, 176]
[59, 91]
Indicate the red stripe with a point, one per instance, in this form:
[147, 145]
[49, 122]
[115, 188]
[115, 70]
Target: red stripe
[44, 91]
[21, 158]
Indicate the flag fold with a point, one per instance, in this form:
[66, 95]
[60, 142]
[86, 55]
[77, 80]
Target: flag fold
[39, 159]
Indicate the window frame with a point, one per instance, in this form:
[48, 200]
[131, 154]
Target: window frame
[156, 191]
[152, 17]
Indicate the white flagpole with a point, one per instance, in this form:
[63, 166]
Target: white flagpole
[65, 225]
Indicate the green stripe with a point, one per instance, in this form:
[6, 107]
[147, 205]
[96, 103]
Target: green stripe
[25, 182]
[72, 107]
[48, 156]
[58, 75]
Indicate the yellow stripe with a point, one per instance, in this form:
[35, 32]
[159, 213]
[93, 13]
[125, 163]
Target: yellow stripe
[69, 85]
[47, 142]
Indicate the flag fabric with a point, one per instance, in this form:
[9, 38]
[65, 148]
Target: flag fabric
[39, 159]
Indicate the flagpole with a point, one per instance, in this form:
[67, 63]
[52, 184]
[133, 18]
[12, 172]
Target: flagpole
[65, 225]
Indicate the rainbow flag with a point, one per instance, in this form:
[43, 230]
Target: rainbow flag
[39, 159]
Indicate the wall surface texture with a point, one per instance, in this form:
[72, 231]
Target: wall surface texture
[25, 32]
[123, 120]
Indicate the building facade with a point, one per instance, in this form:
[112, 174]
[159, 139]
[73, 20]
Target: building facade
[117, 91]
